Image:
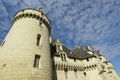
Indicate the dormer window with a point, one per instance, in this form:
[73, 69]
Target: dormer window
[58, 47]
[63, 57]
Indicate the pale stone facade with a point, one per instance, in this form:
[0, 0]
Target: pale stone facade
[28, 53]
[26, 44]
[81, 63]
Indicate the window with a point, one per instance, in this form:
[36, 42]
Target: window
[66, 73]
[44, 21]
[61, 57]
[106, 63]
[74, 60]
[41, 13]
[100, 58]
[64, 57]
[75, 71]
[84, 73]
[87, 59]
[58, 47]
[36, 61]
[38, 39]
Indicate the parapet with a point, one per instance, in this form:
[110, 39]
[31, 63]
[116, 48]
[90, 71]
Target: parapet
[32, 13]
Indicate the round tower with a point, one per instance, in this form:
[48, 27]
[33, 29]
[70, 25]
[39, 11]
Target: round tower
[26, 50]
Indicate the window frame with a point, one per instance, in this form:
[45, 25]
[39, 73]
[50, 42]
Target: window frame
[38, 39]
[36, 61]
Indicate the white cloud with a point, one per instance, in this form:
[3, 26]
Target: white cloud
[11, 2]
[75, 22]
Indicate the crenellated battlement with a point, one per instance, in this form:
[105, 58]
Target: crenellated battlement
[33, 14]
[25, 52]
[81, 60]
[28, 53]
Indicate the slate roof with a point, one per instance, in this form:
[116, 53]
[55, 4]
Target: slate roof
[81, 54]
[76, 53]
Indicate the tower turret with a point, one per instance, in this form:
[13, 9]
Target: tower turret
[26, 51]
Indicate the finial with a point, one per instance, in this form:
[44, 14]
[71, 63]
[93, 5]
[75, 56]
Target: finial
[88, 48]
[40, 9]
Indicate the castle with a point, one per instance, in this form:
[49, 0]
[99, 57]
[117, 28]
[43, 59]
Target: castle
[28, 53]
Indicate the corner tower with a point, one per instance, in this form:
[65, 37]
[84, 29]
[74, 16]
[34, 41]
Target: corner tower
[26, 50]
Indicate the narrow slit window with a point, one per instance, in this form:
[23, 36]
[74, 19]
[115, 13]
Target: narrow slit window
[87, 59]
[75, 71]
[74, 60]
[40, 23]
[38, 39]
[84, 73]
[64, 57]
[61, 57]
[66, 74]
[36, 61]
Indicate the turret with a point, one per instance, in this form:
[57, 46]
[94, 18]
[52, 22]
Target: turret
[26, 52]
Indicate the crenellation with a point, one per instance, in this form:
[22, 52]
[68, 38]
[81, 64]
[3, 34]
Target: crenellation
[29, 53]
[92, 63]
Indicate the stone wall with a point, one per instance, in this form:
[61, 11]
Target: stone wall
[25, 54]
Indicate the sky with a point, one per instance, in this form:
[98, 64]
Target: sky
[74, 22]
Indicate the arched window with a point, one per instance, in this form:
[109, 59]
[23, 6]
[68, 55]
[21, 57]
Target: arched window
[61, 57]
[64, 57]
[38, 39]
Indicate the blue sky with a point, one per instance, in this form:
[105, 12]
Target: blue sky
[82, 22]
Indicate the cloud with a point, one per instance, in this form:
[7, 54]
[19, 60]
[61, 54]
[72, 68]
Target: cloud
[94, 23]
[88, 23]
